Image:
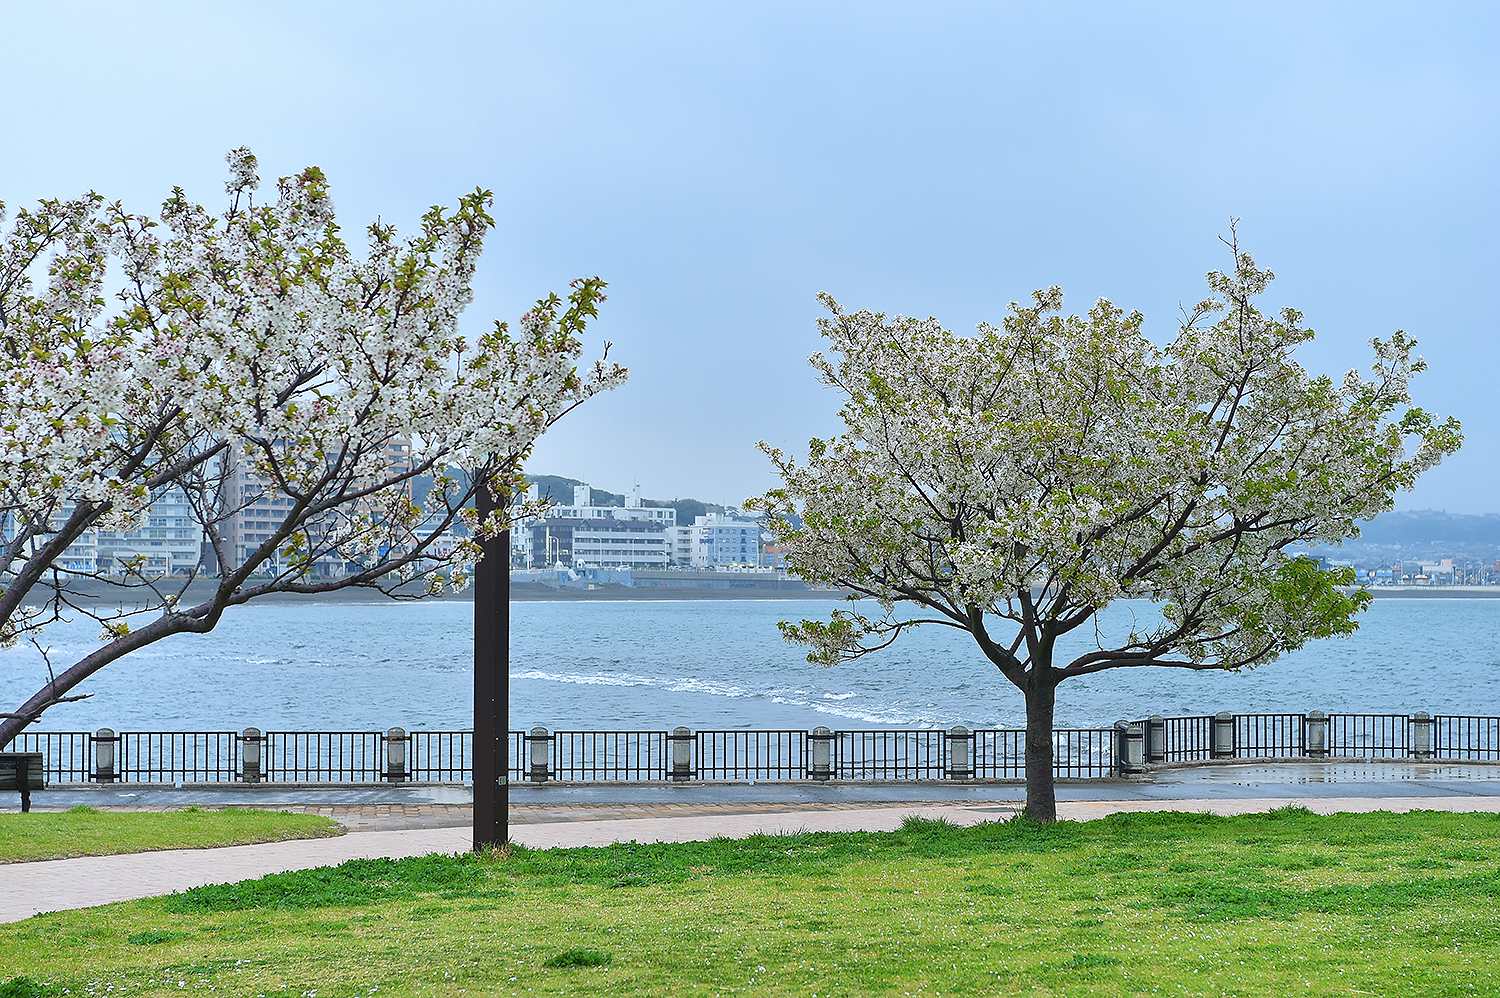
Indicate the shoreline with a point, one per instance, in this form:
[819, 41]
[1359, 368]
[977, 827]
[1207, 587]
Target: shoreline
[520, 592]
[535, 592]
[1433, 592]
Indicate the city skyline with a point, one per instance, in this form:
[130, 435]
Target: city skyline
[721, 166]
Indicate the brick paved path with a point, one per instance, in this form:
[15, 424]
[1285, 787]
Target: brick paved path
[27, 888]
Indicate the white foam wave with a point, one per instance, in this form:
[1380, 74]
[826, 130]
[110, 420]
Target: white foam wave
[691, 685]
[590, 679]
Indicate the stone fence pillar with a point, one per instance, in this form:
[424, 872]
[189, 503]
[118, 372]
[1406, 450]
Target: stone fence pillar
[960, 753]
[1422, 731]
[1315, 734]
[106, 756]
[682, 754]
[1156, 740]
[1223, 735]
[820, 747]
[1130, 748]
[251, 742]
[395, 755]
[538, 750]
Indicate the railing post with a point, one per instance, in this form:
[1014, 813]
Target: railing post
[960, 753]
[250, 755]
[682, 754]
[106, 756]
[820, 745]
[538, 751]
[1130, 747]
[1422, 726]
[1156, 740]
[1223, 728]
[395, 755]
[1315, 734]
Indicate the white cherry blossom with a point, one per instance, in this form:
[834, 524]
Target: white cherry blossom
[1013, 483]
[256, 346]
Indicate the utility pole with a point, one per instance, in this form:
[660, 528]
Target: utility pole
[492, 681]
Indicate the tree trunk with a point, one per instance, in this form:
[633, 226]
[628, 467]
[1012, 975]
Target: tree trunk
[1041, 794]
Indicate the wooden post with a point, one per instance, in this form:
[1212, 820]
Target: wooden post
[492, 681]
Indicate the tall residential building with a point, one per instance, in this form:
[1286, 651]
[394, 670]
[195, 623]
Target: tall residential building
[259, 508]
[726, 539]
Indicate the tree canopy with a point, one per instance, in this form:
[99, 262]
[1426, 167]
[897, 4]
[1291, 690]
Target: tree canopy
[1014, 483]
[254, 360]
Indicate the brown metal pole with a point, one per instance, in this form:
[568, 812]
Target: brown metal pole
[492, 683]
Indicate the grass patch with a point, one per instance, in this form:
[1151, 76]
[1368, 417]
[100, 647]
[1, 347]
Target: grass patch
[578, 958]
[1287, 903]
[84, 831]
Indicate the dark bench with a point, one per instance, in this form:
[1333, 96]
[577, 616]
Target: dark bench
[22, 771]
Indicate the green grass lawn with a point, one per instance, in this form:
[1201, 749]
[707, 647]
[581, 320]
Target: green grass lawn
[83, 831]
[1288, 903]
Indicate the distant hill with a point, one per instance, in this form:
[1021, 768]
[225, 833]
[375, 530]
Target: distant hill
[1427, 527]
[561, 491]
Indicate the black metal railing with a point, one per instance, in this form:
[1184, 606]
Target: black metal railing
[1459, 737]
[750, 755]
[743, 754]
[1276, 735]
[448, 756]
[1083, 753]
[1186, 739]
[911, 754]
[67, 756]
[999, 754]
[1379, 735]
[324, 756]
[610, 755]
[177, 756]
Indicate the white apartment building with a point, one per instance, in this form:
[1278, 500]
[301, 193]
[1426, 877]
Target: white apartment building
[725, 539]
[168, 540]
[622, 543]
[629, 536]
[682, 545]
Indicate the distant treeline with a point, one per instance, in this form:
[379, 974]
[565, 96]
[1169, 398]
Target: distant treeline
[1426, 526]
[561, 491]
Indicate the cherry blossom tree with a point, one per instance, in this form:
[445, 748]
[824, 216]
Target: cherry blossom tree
[1014, 483]
[254, 360]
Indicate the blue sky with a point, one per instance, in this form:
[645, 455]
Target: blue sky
[720, 165]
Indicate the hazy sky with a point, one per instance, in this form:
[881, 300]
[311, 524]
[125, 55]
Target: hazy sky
[720, 165]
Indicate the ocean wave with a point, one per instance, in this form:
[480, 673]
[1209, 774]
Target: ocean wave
[704, 686]
[592, 679]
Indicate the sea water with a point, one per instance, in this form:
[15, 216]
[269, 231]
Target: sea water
[714, 664]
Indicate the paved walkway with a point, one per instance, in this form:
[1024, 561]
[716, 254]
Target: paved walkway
[410, 821]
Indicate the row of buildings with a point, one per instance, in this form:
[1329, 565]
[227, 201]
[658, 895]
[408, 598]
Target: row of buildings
[637, 536]
[169, 540]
